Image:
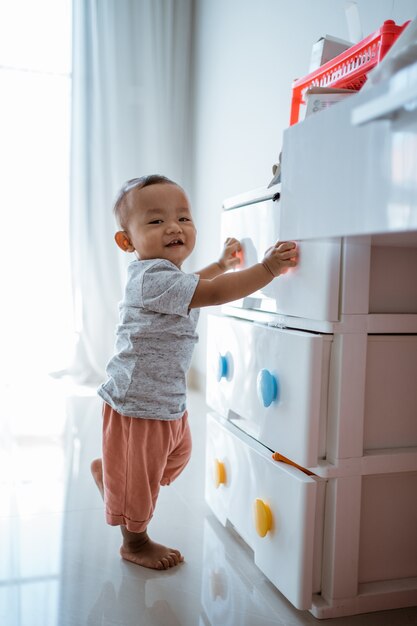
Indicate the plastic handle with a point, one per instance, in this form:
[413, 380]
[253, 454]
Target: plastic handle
[219, 473]
[262, 516]
[241, 256]
[222, 367]
[267, 387]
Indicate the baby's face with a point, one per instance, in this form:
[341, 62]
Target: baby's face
[159, 223]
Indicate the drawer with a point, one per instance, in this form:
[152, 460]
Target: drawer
[272, 383]
[334, 276]
[277, 509]
[311, 290]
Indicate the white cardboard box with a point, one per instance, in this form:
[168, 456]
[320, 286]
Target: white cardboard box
[327, 48]
[320, 98]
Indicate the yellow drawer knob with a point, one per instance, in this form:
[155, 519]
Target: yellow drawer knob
[263, 517]
[219, 473]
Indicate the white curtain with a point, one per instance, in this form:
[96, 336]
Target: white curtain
[131, 116]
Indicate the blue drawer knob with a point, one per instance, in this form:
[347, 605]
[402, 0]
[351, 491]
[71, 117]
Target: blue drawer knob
[222, 367]
[267, 387]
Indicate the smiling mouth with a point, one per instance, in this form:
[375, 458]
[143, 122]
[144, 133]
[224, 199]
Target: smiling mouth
[175, 242]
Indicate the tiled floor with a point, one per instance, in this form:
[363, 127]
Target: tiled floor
[59, 562]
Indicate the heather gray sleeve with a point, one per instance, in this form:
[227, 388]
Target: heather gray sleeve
[166, 289]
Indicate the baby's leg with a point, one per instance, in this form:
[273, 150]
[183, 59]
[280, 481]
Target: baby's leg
[97, 472]
[180, 455]
[140, 549]
[135, 451]
[137, 547]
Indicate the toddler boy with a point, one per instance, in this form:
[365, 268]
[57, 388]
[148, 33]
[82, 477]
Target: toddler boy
[146, 436]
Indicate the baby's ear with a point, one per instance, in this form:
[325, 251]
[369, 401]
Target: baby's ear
[123, 241]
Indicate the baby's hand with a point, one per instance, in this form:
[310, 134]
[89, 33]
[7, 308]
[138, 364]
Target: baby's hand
[280, 257]
[229, 258]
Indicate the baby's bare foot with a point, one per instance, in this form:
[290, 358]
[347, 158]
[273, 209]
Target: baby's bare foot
[97, 472]
[147, 553]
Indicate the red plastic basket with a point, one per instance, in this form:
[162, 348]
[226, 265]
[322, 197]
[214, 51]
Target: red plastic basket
[349, 69]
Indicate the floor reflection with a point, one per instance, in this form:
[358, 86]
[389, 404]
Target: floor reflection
[60, 562]
[234, 591]
[33, 440]
[114, 606]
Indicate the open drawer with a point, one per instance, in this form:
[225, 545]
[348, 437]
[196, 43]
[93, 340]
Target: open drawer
[311, 290]
[277, 509]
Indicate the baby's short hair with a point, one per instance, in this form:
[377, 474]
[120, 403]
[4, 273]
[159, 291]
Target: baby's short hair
[136, 183]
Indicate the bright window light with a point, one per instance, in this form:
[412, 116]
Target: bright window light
[35, 83]
[36, 330]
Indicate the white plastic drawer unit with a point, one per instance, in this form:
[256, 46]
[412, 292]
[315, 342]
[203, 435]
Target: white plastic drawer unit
[311, 290]
[272, 383]
[277, 509]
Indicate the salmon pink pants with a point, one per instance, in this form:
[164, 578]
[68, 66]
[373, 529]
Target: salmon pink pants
[140, 455]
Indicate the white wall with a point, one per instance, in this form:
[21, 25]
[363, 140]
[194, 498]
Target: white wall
[247, 54]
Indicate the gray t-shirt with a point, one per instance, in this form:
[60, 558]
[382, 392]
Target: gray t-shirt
[154, 344]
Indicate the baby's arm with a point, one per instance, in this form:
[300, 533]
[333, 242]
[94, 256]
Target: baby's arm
[236, 285]
[227, 261]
